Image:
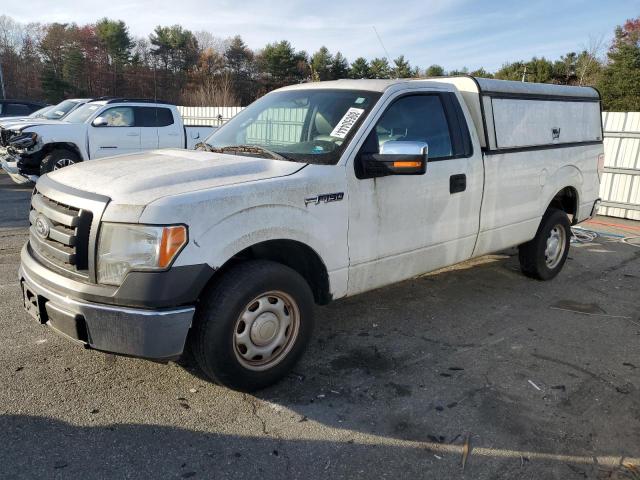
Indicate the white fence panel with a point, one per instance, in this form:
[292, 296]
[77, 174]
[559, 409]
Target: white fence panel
[214, 116]
[620, 185]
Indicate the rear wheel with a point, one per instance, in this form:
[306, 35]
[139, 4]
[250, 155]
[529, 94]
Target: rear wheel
[544, 256]
[253, 325]
[57, 159]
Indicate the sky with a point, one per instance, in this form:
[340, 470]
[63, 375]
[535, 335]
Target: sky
[451, 33]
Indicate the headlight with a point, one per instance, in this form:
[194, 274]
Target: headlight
[125, 247]
[24, 141]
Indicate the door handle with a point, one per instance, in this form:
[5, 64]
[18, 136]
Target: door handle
[457, 183]
[133, 134]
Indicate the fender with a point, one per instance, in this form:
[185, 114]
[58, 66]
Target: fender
[60, 135]
[250, 226]
[269, 222]
[567, 176]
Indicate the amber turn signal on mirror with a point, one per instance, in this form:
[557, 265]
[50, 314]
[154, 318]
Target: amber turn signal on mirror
[407, 164]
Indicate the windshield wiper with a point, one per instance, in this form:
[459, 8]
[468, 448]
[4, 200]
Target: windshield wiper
[247, 149]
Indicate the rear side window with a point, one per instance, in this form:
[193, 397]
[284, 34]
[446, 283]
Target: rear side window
[153, 117]
[419, 118]
[17, 109]
[165, 117]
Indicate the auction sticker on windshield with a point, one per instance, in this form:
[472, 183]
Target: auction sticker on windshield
[347, 122]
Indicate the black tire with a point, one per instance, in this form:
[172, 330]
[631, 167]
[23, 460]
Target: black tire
[213, 338]
[51, 159]
[533, 259]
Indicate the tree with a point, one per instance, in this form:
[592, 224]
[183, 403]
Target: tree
[535, 70]
[456, 73]
[175, 47]
[238, 56]
[379, 68]
[53, 86]
[282, 65]
[620, 81]
[481, 72]
[115, 38]
[339, 67]
[206, 40]
[321, 65]
[588, 68]
[564, 70]
[402, 68]
[435, 71]
[115, 41]
[360, 68]
[241, 61]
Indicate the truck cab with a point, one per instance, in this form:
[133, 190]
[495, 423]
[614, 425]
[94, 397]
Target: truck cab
[313, 193]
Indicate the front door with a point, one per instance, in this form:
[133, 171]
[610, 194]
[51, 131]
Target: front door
[404, 225]
[115, 134]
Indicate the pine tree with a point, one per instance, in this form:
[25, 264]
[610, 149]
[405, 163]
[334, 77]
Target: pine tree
[360, 68]
[620, 81]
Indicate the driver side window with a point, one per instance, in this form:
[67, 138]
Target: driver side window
[119, 117]
[418, 118]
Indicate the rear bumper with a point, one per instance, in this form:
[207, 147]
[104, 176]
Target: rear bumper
[149, 333]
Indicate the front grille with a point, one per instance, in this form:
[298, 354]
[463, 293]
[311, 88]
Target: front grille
[4, 137]
[59, 234]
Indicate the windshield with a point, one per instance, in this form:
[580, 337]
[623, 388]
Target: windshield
[60, 110]
[310, 126]
[40, 113]
[81, 114]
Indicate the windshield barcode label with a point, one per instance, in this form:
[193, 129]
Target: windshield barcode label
[347, 122]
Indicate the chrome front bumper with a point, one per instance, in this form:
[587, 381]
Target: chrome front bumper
[156, 334]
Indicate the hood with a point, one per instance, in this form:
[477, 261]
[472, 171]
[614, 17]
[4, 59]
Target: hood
[7, 120]
[23, 123]
[141, 178]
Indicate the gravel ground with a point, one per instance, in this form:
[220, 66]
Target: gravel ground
[531, 379]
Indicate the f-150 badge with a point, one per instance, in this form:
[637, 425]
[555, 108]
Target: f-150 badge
[324, 198]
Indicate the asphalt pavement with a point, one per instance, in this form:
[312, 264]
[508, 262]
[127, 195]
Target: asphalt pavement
[472, 372]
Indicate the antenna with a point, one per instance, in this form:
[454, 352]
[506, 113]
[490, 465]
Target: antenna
[382, 44]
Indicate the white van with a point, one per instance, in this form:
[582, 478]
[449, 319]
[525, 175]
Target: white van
[313, 193]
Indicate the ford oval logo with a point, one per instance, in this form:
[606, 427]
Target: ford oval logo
[42, 226]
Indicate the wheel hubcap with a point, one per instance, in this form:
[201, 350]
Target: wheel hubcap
[556, 244]
[63, 162]
[266, 330]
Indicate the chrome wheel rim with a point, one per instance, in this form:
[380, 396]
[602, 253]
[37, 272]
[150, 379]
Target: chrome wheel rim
[63, 162]
[266, 330]
[556, 244]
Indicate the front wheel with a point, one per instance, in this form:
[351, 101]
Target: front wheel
[544, 256]
[252, 325]
[57, 159]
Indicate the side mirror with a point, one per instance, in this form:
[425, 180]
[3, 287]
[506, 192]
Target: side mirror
[100, 122]
[395, 158]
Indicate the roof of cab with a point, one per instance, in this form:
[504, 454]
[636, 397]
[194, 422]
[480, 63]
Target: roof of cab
[349, 84]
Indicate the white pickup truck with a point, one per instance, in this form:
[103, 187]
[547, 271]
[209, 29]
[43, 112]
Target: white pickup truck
[100, 128]
[313, 193]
